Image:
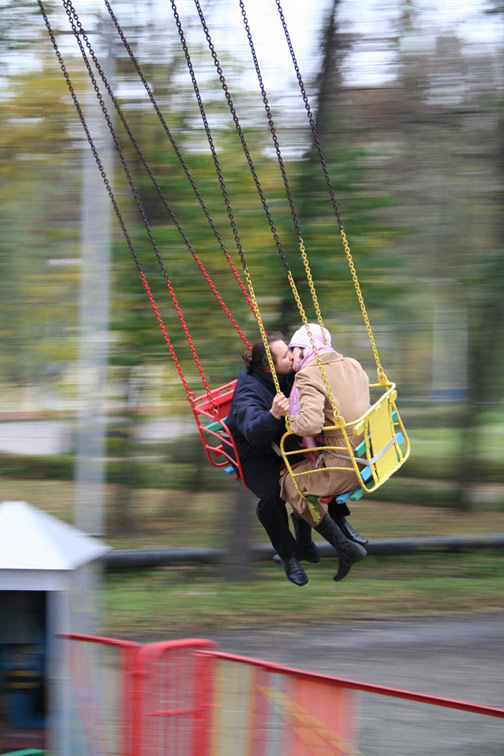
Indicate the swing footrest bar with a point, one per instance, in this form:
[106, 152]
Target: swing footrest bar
[215, 426]
[354, 495]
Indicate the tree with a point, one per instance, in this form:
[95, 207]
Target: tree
[38, 225]
[348, 155]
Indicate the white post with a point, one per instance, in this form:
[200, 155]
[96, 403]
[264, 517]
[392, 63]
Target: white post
[89, 501]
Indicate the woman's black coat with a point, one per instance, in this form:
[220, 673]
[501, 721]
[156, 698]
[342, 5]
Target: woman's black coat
[250, 421]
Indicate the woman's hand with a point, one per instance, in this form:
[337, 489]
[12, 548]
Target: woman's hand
[280, 406]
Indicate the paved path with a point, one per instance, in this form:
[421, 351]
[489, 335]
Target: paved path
[458, 657]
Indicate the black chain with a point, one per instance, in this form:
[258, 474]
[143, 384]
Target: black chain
[310, 119]
[242, 137]
[381, 374]
[283, 172]
[79, 32]
[225, 195]
[179, 155]
[271, 122]
[109, 188]
[211, 144]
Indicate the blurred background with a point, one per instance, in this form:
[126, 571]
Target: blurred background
[408, 102]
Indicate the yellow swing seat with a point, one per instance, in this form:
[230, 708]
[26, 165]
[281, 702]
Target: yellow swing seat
[383, 450]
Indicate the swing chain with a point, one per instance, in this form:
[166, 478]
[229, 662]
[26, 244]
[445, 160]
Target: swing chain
[312, 289]
[74, 19]
[254, 175]
[286, 184]
[335, 410]
[241, 135]
[382, 378]
[181, 160]
[70, 9]
[381, 374]
[111, 196]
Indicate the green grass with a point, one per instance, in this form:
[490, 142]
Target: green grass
[169, 602]
[446, 444]
[174, 601]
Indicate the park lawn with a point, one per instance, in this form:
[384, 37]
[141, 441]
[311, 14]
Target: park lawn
[174, 601]
[192, 601]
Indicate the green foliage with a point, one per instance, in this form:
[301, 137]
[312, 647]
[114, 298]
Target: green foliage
[40, 467]
[417, 174]
[19, 25]
[44, 125]
[38, 214]
[175, 473]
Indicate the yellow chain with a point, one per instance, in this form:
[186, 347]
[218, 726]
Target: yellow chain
[262, 330]
[382, 378]
[305, 323]
[311, 285]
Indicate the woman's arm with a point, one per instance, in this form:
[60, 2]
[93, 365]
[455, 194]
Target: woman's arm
[255, 421]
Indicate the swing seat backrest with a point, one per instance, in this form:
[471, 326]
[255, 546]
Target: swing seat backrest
[384, 436]
[211, 411]
[384, 447]
[215, 404]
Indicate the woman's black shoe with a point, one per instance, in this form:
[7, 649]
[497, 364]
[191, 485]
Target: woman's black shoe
[305, 548]
[350, 532]
[294, 571]
[347, 550]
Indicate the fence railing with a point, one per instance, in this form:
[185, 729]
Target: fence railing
[189, 698]
[102, 695]
[264, 708]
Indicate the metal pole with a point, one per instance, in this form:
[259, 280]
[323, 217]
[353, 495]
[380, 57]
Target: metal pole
[89, 499]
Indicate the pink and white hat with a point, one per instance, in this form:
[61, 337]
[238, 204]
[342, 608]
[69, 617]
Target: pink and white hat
[301, 338]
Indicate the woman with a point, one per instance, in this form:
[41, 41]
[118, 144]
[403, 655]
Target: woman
[310, 410]
[256, 420]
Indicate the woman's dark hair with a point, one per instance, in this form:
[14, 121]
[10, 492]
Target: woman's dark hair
[257, 357]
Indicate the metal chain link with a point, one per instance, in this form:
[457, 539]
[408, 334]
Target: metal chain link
[208, 132]
[270, 120]
[261, 195]
[381, 374]
[241, 136]
[294, 217]
[71, 16]
[181, 161]
[70, 9]
[112, 198]
[225, 195]
[315, 350]
[281, 166]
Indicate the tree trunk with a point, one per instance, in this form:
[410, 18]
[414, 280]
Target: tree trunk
[238, 565]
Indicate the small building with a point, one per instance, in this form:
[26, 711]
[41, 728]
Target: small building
[48, 576]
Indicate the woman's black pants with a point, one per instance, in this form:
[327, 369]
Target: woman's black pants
[262, 477]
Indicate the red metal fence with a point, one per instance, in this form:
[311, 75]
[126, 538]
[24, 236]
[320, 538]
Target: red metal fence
[291, 712]
[101, 700]
[174, 713]
[188, 698]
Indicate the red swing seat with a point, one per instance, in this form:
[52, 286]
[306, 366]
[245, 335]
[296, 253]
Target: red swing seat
[215, 435]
